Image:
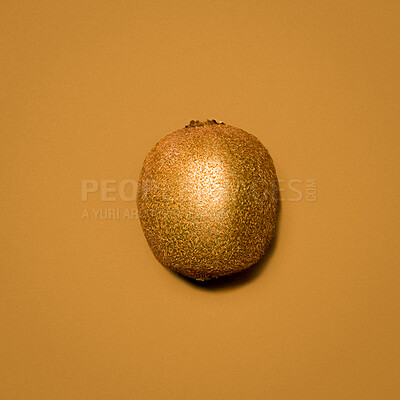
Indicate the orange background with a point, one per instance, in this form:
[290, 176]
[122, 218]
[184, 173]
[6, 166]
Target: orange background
[88, 87]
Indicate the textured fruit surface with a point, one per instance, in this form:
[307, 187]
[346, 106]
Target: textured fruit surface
[208, 200]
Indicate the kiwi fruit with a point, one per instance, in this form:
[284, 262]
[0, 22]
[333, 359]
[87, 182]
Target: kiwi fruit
[208, 200]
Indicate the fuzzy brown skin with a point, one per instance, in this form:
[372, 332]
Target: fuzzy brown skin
[208, 200]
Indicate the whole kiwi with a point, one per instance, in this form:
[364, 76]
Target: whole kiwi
[208, 200]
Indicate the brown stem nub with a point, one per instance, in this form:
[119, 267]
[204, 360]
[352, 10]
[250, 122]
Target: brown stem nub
[196, 123]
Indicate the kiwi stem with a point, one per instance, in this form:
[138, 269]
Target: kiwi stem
[196, 123]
